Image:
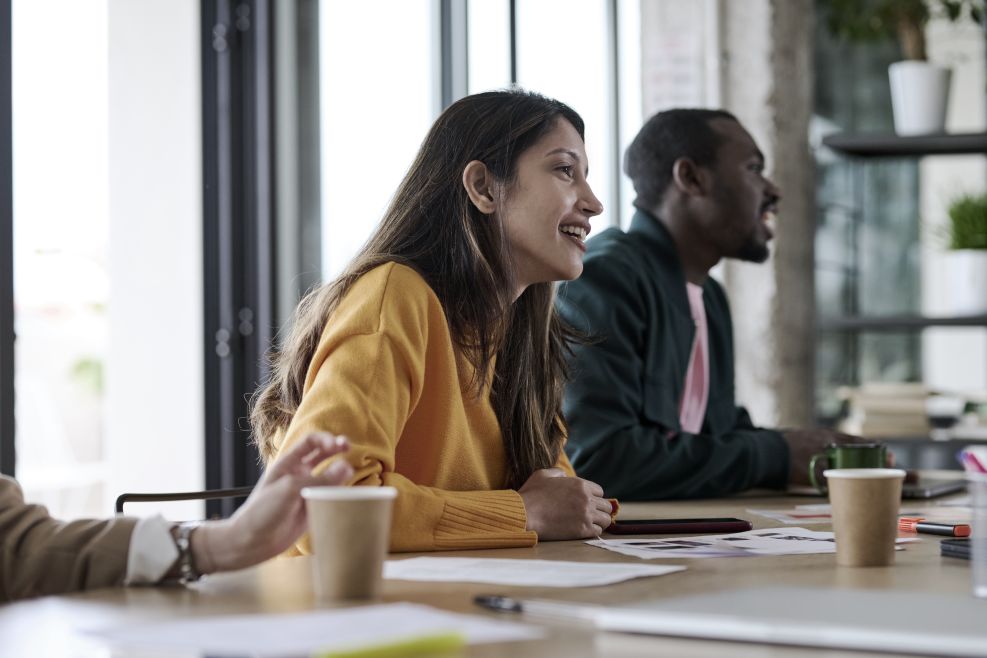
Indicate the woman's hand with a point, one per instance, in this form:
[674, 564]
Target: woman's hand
[273, 517]
[560, 507]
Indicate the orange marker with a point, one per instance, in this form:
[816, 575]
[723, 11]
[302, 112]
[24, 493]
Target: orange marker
[916, 524]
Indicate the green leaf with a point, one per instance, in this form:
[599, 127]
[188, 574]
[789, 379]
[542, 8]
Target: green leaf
[968, 222]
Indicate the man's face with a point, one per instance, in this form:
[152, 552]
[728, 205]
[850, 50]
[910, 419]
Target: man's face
[743, 199]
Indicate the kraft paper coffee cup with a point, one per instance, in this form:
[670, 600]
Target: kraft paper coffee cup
[865, 504]
[350, 530]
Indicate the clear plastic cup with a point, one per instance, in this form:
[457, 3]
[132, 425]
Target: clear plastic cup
[978, 526]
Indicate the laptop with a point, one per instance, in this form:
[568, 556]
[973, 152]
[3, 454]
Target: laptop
[888, 621]
[932, 488]
[923, 488]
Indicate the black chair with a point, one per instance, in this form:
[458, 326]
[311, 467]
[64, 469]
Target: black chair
[209, 494]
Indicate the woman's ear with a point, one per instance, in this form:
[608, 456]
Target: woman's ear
[479, 184]
[689, 178]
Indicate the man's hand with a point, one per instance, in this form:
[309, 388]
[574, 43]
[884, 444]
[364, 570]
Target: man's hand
[273, 517]
[560, 507]
[803, 444]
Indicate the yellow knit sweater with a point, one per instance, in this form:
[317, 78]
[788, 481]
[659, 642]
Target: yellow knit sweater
[386, 375]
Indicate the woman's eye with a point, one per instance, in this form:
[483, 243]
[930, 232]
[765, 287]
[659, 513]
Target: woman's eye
[566, 170]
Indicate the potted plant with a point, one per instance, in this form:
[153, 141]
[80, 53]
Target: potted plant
[967, 257]
[919, 89]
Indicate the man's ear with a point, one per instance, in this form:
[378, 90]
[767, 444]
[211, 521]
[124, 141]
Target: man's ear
[480, 186]
[690, 178]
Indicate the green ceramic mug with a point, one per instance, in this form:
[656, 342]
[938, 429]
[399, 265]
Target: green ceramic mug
[847, 455]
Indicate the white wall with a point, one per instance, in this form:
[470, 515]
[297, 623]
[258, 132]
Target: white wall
[954, 360]
[154, 380]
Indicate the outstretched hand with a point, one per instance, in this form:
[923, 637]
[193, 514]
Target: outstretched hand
[273, 517]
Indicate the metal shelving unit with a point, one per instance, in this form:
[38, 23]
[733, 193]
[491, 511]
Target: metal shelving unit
[889, 146]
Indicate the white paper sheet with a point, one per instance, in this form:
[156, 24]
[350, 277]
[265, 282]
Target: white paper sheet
[535, 573]
[768, 541]
[287, 635]
[810, 514]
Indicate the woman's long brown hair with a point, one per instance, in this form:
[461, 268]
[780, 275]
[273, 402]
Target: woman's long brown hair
[433, 227]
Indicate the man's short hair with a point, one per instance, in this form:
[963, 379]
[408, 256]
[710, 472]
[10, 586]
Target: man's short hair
[664, 138]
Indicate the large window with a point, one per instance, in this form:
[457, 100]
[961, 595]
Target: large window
[110, 152]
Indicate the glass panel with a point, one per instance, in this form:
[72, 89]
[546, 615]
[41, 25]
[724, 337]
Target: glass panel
[630, 102]
[867, 246]
[61, 233]
[564, 54]
[489, 45]
[107, 263]
[378, 95]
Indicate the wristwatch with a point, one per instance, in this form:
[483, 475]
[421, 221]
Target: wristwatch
[187, 573]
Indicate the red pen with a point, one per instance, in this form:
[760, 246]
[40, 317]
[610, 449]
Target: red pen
[918, 524]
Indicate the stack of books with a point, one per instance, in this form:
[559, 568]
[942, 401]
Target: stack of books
[882, 410]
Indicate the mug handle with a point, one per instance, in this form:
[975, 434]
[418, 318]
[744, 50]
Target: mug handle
[820, 487]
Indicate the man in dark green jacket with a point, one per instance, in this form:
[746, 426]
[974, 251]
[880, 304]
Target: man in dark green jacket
[651, 409]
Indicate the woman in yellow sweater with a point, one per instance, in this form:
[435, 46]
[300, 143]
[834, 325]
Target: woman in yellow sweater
[438, 352]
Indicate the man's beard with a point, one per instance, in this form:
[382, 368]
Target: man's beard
[753, 250]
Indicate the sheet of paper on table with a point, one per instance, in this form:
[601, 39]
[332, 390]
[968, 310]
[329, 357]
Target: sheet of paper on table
[301, 634]
[535, 573]
[820, 513]
[768, 541]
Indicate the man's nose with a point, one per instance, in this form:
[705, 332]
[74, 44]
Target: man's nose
[772, 191]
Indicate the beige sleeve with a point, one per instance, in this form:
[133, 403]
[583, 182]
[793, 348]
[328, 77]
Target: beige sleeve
[40, 555]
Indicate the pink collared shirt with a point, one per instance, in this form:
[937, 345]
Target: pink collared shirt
[695, 393]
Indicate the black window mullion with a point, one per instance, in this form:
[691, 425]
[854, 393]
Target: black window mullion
[7, 445]
[512, 11]
[238, 235]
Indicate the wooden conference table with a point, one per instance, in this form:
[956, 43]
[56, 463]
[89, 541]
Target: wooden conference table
[54, 626]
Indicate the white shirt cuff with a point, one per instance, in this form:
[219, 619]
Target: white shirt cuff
[152, 551]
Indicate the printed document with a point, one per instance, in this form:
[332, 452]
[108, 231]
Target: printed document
[534, 573]
[769, 541]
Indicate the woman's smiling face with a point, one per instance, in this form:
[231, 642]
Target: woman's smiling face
[546, 211]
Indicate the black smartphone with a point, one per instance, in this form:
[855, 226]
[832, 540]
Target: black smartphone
[955, 547]
[678, 526]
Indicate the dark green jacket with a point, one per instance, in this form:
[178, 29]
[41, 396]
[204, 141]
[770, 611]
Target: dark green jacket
[622, 406]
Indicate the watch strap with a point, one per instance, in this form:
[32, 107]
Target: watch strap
[187, 572]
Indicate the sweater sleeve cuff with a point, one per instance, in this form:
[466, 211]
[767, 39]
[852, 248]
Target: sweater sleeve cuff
[482, 519]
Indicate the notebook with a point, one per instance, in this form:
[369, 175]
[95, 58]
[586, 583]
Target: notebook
[868, 620]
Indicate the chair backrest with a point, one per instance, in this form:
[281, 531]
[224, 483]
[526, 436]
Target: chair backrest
[208, 494]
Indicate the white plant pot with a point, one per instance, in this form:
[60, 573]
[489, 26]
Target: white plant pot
[966, 270]
[919, 92]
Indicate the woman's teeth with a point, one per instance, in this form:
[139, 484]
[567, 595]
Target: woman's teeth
[575, 231]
